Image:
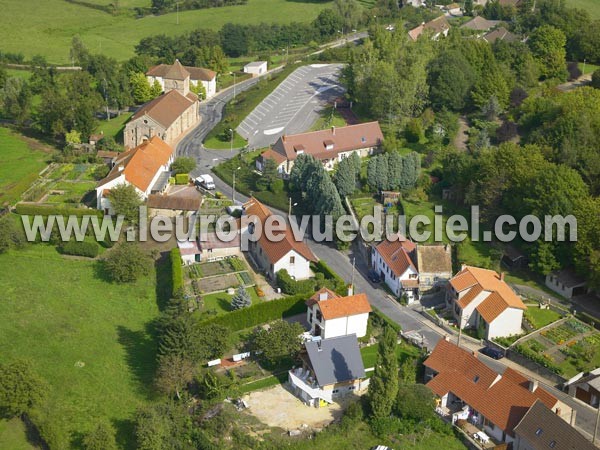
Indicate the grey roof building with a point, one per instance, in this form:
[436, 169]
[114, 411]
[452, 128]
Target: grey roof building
[336, 360]
[541, 429]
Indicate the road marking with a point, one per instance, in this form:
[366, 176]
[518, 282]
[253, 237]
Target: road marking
[273, 131]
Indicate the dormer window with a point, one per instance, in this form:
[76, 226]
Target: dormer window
[328, 143]
[299, 149]
[363, 139]
[539, 432]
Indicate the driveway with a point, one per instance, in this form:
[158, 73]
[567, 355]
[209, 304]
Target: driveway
[293, 106]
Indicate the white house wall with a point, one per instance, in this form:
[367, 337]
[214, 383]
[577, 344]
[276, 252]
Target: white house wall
[506, 324]
[300, 270]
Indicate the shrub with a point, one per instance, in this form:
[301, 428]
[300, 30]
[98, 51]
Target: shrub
[126, 263]
[413, 131]
[88, 249]
[596, 79]
[290, 286]
[32, 209]
[261, 313]
[182, 178]
[176, 271]
[337, 283]
[574, 71]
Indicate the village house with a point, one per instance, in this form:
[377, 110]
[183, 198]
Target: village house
[145, 167]
[172, 205]
[198, 75]
[566, 283]
[395, 262]
[469, 390]
[331, 368]
[169, 115]
[480, 23]
[213, 249]
[541, 429]
[481, 299]
[585, 387]
[328, 146]
[502, 34]
[436, 28]
[330, 315]
[434, 263]
[271, 256]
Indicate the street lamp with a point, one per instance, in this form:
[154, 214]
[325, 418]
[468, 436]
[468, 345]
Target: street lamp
[290, 206]
[231, 141]
[233, 193]
[233, 73]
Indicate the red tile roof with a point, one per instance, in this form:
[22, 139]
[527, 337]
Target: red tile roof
[195, 73]
[276, 250]
[437, 25]
[317, 295]
[275, 156]
[352, 305]
[166, 108]
[140, 164]
[397, 254]
[343, 139]
[503, 400]
[477, 280]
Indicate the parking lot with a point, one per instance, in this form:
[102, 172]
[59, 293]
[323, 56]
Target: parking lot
[293, 106]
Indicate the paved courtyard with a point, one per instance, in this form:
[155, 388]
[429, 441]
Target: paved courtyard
[293, 106]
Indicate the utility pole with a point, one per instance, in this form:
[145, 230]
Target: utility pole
[231, 142]
[460, 327]
[352, 279]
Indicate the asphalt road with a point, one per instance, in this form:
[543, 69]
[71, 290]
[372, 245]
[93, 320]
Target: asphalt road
[293, 106]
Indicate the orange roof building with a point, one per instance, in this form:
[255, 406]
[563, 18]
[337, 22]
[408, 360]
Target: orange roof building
[328, 146]
[146, 167]
[176, 71]
[436, 27]
[276, 248]
[395, 260]
[480, 298]
[330, 315]
[494, 402]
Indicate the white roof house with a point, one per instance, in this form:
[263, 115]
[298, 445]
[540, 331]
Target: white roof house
[256, 68]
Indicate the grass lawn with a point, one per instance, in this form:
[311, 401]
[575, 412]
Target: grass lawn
[363, 205]
[589, 68]
[24, 74]
[591, 6]
[215, 142]
[20, 165]
[46, 28]
[89, 339]
[13, 435]
[369, 354]
[114, 127]
[264, 383]
[221, 301]
[541, 317]
[328, 117]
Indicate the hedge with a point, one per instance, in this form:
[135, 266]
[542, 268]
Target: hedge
[339, 283]
[89, 249]
[182, 178]
[261, 313]
[33, 209]
[292, 287]
[176, 271]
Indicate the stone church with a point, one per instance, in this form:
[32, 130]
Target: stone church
[169, 115]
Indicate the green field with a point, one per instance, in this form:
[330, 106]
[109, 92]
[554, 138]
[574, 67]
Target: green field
[114, 127]
[89, 339]
[20, 165]
[13, 435]
[591, 6]
[46, 28]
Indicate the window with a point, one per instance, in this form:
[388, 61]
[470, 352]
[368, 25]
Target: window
[351, 388]
[292, 259]
[476, 379]
[335, 391]
[552, 444]
[539, 432]
[363, 139]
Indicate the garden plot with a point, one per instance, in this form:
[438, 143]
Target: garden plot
[219, 275]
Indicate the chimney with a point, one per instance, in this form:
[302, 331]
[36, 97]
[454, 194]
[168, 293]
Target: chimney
[533, 385]
[121, 168]
[350, 290]
[463, 267]
[283, 138]
[501, 276]
[474, 354]
[333, 130]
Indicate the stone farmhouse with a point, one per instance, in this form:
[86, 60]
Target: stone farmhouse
[328, 146]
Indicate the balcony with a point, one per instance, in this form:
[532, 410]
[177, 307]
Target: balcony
[301, 379]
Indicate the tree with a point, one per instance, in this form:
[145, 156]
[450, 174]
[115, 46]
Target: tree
[127, 262]
[328, 23]
[73, 137]
[377, 172]
[507, 131]
[141, 89]
[100, 438]
[156, 89]
[450, 77]
[345, 177]
[15, 98]
[383, 387]
[349, 11]
[3, 77]
[279, 343]
[547, 44]
[10, 235]
[241, 299]
[21, 389]
[411, 168]
[492, 109]
[234, 40]
[269, 174]
[183, 164]
[151, 429]
[356, 163]
[596, 79]
[408, 370]
[125, 201]
[415, 402]
[174, 373]
[574, 71]
[468, 7]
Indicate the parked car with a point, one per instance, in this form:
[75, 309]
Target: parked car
[374, 276]
[492, 352]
